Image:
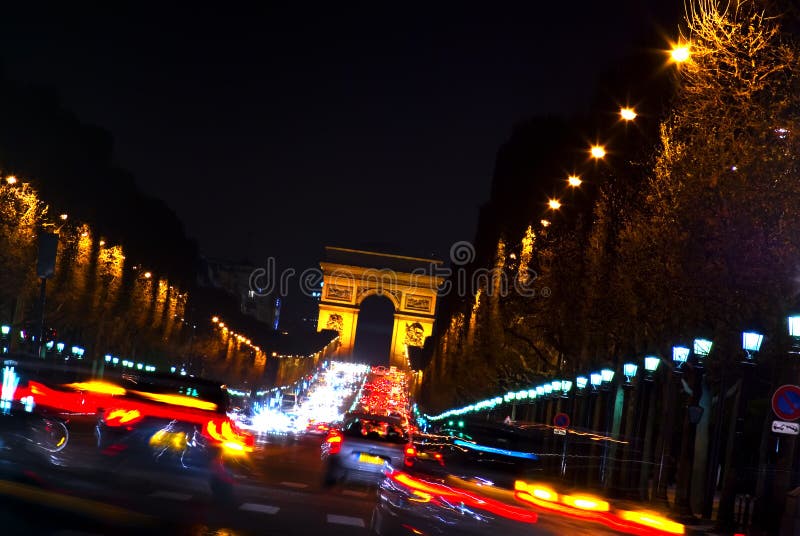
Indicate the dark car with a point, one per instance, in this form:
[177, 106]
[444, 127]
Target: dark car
[172, 424]
[364, 447]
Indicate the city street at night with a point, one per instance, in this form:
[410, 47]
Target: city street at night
[499, 268]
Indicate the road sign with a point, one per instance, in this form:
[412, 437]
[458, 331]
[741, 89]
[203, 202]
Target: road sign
[786, 402]
[561, 420]
[788, 428]
[560, 431]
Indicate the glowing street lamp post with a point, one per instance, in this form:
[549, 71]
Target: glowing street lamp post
[619, 477]
[643, 427]
[5, 333]
[734, 458]
[679, 356]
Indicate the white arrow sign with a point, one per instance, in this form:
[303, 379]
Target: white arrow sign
[781, 427]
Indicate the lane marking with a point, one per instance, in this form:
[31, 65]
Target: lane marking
[346, 520]
[262, 508]
[298, 485]
[174, 495]
[354, 493]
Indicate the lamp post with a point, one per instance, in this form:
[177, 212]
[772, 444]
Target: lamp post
[622, 471]
[643, 431]
[606, 377]
[692, 386]
[751, 345]
[5, 333]
[679, 356]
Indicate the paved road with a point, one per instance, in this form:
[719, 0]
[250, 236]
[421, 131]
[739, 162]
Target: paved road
[281, 495]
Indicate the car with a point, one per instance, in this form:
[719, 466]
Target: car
[169, 423]
[364, 447]
[413, 504]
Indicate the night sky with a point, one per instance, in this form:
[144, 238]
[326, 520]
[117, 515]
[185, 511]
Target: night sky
[275, 131]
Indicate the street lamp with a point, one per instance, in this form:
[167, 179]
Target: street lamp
[751, 343]
[566, 385]
[4, 335]
[607, 375]
[545, 223]
[556, 385]
[794, 326]
[580, 382]
[680, 52]
[702, 347]
[629, 371]
[11, 179]
[628, 113]
[554, 204]
[595, 378]
[651, 363]
[679, 355]
[597, 151]
[574, 180]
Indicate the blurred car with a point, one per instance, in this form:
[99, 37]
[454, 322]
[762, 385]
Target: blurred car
[172, 423]
[410, 505]
[364, 447]
[480, 450]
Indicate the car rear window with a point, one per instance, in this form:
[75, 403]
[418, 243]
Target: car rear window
[375, 430]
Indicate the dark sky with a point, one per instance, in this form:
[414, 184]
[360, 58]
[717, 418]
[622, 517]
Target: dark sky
[275, 131]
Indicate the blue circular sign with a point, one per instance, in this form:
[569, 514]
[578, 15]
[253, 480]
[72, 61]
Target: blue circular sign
[561, 420]
[786, 402]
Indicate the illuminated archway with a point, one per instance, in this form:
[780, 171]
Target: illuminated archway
[410, 283]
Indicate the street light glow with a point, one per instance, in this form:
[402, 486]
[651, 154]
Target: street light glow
[554, 204]
[148, 275]
[607, 375]
[629, 370]
[574, 180]
[545, 223]
[751, 341]
[598, 151]
[63, 217]
[702, 347]
[215, 319]
[680, 53]
[11, 179]
[651, 363]
[628, 114]
[680, 354]
[794, 326]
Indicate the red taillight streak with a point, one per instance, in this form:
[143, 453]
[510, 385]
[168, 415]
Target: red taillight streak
[606, 518]
[475, 501]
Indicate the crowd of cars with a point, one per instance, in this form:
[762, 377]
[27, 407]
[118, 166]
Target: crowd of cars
[375, 434]
[465, 477]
